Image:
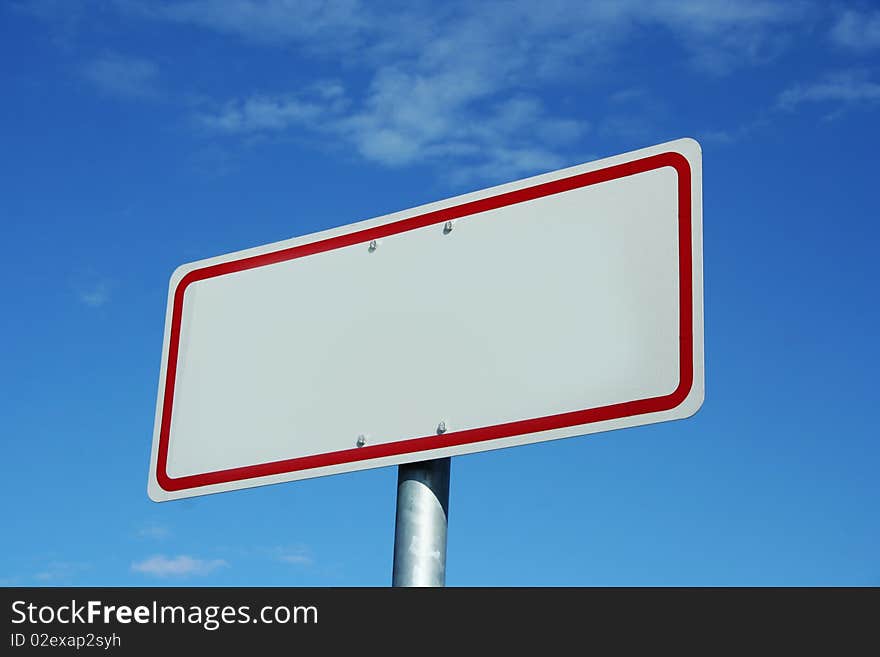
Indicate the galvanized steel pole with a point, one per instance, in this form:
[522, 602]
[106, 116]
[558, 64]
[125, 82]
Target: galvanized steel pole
[420, 526]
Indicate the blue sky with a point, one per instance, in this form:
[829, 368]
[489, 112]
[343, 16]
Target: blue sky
[136, 136]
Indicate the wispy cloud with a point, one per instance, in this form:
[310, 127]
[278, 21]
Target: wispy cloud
[95, 295]
[179, 566]
[629, 95]
[724, 36]
[720, 35]
[154, 531]
[440, 122]
[59, 572]
[450, 86]
[297, 556]
[65, 19]
[628, 126]
[857, 30]
[265, 21]
[448, 120]
[123, 76]
[738, 133]
[848, 87]
[266, 113]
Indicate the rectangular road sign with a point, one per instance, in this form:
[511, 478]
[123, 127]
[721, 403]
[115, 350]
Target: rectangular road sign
[555, 306]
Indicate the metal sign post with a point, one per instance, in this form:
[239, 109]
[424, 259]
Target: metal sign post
[420, 526]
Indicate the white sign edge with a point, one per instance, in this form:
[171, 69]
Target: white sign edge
[689, 148]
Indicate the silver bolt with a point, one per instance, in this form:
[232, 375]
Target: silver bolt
[447, 228]
[441, 428]
[373, 245]
[361, 441]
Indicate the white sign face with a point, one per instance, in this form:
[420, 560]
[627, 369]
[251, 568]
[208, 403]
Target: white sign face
[560, 305]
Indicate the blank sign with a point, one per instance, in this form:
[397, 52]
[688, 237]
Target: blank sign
[555, 306]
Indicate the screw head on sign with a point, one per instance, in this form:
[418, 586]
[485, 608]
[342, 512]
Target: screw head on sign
[441, 428]
[447, 228]
[373, 245]
[361, 441]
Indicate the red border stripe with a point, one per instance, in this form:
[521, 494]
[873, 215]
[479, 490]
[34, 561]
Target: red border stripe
[424, 443]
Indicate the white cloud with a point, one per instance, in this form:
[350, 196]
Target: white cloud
[718, 136]
[849, 87]
[96, 295]
[264, 21]
[154, 531]
[263, 113]
[454, 85]
[441, 121]
[859, 31]
[627, 126]
[123, 76]
[260, 113]
[629, 95]
[179, 566]
[410, 117]
[719, 34]
[90, 287]
[60, 571]
[742, 131]
[299, 556]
